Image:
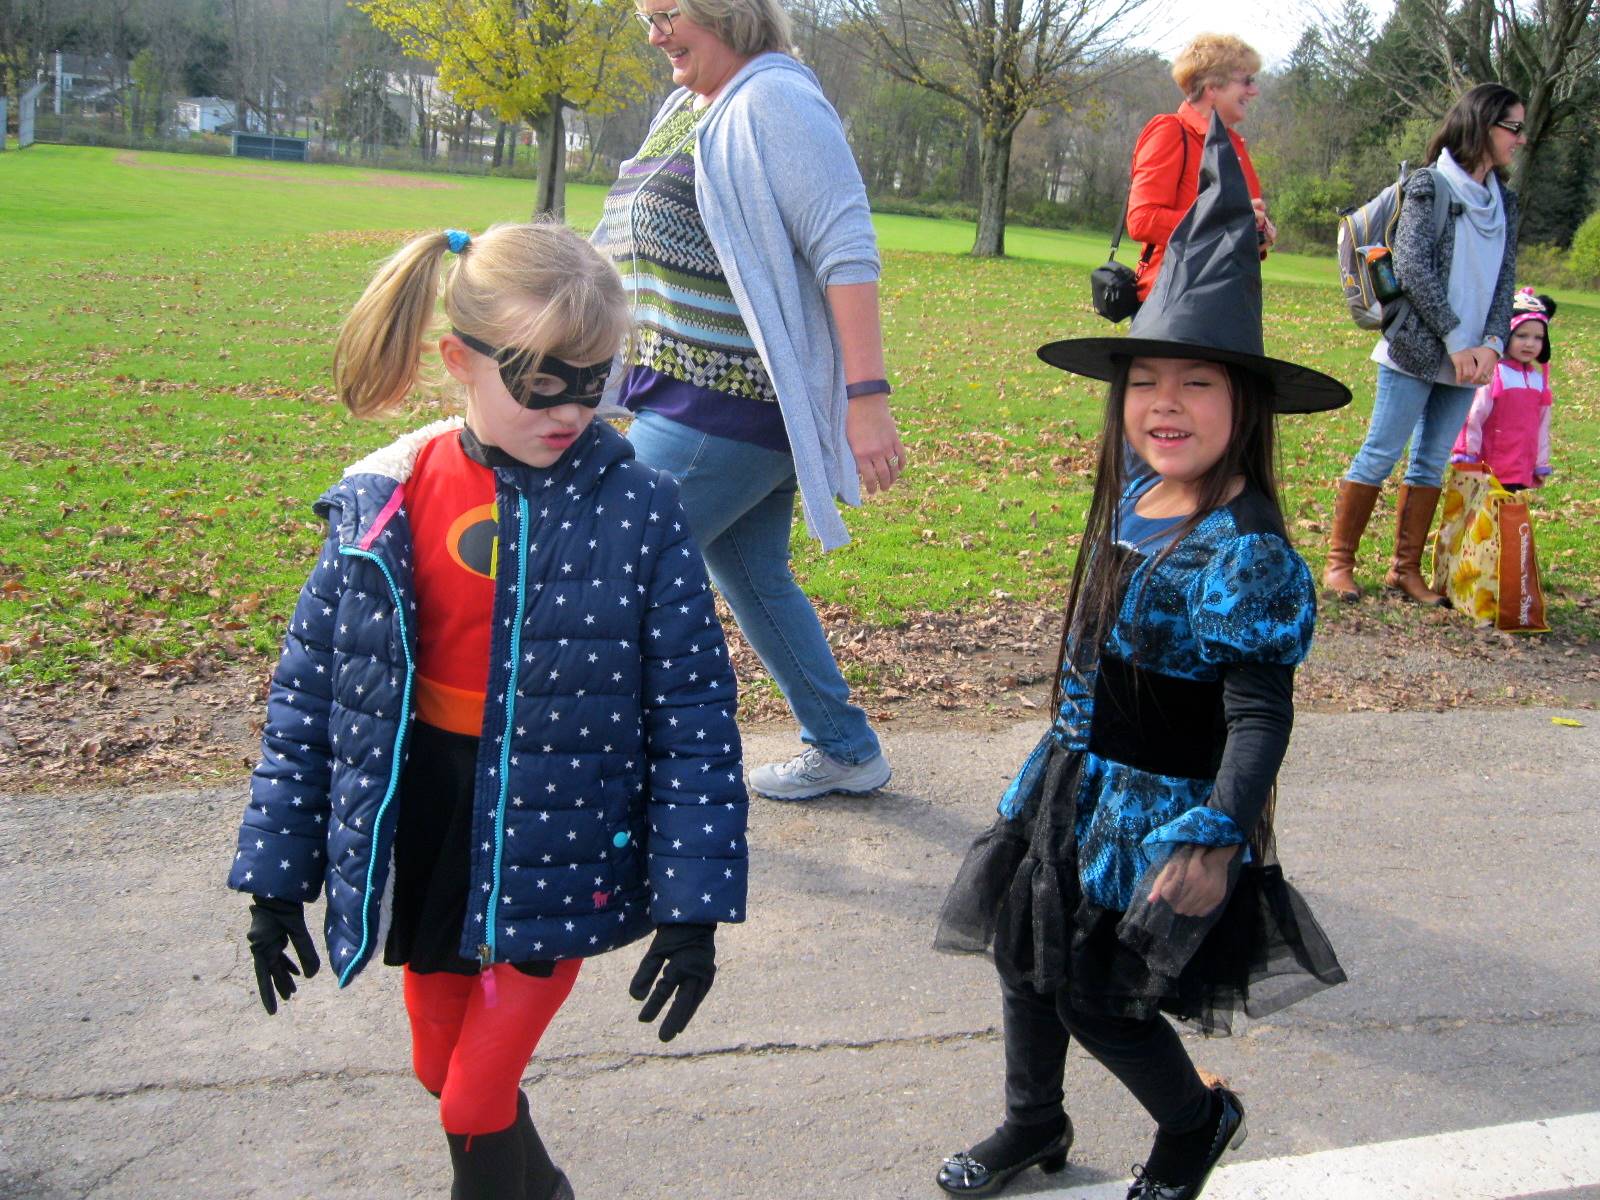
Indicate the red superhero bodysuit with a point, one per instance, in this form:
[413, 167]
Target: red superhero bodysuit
[450, 500]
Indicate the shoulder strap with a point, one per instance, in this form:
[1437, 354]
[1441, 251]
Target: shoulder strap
[1122, 222]
[1443, 205]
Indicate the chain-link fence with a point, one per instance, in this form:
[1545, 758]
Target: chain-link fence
[516, 156]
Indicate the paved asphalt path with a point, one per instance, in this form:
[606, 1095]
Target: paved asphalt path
[1450, 856]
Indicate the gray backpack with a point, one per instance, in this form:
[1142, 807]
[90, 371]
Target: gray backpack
[1369, 225]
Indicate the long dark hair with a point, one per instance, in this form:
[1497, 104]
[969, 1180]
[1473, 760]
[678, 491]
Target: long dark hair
[1092, 600]
[1465, 128]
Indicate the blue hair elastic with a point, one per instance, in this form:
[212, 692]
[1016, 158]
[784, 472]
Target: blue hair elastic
[460, 239]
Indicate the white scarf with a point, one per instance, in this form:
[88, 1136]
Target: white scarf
[1480, 245]
[1480, 200]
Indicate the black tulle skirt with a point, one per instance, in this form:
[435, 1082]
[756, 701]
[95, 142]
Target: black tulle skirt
[1017, 897]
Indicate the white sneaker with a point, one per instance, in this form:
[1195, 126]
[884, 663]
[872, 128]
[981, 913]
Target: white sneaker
[811, 773]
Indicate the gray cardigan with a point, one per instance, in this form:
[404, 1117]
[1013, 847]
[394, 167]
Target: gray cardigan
[1416, 339]
[785, 208]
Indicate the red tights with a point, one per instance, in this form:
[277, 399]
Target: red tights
[471, 1053]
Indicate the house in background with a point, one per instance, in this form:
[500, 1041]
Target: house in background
[85, 81]
[577, 131]
[204, 114]
[415, 97]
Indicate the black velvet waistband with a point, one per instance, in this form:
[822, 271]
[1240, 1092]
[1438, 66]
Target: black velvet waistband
[1157, 723]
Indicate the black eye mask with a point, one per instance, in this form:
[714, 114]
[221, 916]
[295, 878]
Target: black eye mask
[580, 385]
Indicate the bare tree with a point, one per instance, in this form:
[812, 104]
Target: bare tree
[1432, 50]
[1090, 145]
[28, 29]
[1551, 49]
[168, 30]
[1000, 60]
[1409, 62]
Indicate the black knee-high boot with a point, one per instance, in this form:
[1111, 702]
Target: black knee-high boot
[489, 1166]
[545, 1180]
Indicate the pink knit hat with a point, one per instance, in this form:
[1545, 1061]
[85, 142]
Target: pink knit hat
[1525, 306]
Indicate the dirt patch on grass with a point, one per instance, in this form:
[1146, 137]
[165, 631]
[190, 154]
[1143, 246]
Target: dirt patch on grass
[200, 719]
[1379, 656]
[409, 182]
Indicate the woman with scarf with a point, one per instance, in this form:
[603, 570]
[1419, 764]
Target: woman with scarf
[1443, 338]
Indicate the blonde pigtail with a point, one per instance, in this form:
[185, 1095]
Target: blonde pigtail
[379, 351]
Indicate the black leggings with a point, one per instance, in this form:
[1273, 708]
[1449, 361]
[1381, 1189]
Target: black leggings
[1146, 1056]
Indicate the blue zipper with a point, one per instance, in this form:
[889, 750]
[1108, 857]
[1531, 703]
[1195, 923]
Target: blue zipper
[486, 950]
[394, 760]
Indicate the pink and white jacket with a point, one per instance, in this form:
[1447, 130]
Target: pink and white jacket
[1508, 426]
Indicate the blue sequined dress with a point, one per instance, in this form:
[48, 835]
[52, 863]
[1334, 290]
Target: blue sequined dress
[1169, 735]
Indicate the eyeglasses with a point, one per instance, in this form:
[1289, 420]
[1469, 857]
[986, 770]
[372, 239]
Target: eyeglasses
[550, 384]
[1512, 127]
[1247, 80]
[660, 20]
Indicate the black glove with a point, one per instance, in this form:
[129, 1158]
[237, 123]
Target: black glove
[689, 955]
[273, 925]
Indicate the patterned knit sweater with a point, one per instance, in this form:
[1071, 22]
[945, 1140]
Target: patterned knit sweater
[689, 327]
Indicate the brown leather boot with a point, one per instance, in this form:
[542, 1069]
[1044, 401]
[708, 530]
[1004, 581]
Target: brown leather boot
[1351, 512]
[1412, 521]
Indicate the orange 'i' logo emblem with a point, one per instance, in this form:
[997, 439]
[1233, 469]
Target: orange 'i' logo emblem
[473, 540]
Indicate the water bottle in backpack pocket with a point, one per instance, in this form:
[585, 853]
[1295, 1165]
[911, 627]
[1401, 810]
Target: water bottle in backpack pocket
[1373, 290]
[1366, 267]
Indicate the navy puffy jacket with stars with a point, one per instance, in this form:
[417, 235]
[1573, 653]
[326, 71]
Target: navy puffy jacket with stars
[609, 796]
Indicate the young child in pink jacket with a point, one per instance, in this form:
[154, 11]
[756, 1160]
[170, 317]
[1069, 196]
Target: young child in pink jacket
[1508, 426]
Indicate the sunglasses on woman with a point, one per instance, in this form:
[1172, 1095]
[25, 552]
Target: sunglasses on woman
[1512, 127]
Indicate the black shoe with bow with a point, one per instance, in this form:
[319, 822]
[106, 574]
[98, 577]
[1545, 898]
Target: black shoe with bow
[1158, 1179]
[1005, 1154]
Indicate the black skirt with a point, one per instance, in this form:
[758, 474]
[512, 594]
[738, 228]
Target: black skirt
[433, 856]
[1017, 897]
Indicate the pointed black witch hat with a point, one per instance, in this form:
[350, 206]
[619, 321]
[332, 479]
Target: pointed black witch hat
[1207, 299]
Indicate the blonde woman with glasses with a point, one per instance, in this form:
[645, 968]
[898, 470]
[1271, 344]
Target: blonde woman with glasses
[1216, 73]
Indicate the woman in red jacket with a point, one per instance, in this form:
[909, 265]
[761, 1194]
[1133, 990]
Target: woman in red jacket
[1217, 72]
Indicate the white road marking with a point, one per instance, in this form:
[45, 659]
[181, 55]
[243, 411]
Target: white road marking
[1497, 1163]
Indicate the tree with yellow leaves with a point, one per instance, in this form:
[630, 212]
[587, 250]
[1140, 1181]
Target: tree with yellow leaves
[526, 60]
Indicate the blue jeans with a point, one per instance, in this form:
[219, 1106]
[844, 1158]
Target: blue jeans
[739, 499]
[1428, 414]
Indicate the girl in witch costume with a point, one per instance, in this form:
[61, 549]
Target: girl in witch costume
[500, 738]
[1131, 871]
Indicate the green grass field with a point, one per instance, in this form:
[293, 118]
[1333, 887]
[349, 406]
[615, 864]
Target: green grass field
[165, 335]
